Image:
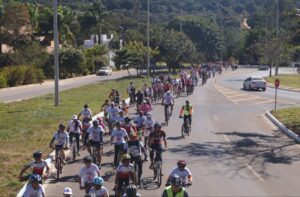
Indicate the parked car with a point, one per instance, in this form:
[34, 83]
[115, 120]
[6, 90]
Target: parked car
[104, 71]
[255, 83]
[263, 67]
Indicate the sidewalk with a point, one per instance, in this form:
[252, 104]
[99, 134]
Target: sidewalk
[271, 85]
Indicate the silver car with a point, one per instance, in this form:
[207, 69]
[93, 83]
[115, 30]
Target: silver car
[104, 71]
[255, 83]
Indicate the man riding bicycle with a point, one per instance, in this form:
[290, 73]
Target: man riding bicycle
[74, 129]
[86, 112]
[38, 166]
[135, 149]
[187, 112]
[125, 173]
[34, 188]
[61, 138]
[98, 190]
[155, 143]
[175, 189]
[95, 136]
[168, 101]
[118, 137]
[183, 172]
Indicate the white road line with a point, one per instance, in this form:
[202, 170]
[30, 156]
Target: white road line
[226, 138]
[254, 173]
[269, 121]
[238, 95]
[246, 99]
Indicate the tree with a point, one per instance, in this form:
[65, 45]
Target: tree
[96, 57]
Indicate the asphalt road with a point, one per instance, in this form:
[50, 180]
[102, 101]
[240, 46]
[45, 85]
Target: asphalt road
[233, 149]
[47, 87]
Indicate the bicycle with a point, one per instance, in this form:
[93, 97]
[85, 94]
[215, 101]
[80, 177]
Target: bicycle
[58, 163]
[167, 114]
[186, 127]
[137, 170]
[95, 152]
[157, 168]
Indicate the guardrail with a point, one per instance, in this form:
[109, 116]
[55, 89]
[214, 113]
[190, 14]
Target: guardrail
[51, 156]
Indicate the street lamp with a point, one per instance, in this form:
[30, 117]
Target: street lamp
[56, 66]
[148, 37]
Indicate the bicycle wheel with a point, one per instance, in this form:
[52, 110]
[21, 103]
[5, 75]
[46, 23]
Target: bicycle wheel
[94, 156]
[137, 172]
[183, 131]
[189, 130]
[58, 166]
[159, 174]
[73, 153]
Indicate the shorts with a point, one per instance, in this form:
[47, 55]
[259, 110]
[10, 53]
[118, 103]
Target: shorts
[58, 148]
[95, 144]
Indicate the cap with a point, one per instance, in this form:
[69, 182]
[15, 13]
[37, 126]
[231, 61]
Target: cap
[67, 190]
[74, 117]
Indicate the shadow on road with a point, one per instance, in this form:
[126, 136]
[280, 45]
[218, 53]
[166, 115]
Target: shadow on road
[242, 149]
[149, 184]
[175, 138]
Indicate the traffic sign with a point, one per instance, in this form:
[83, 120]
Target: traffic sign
[277, 83]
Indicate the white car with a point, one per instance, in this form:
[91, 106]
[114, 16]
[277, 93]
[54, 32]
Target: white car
[255, 82]
[104, 71]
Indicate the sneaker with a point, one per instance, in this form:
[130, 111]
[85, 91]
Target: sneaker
[146, 159]
[64, 162]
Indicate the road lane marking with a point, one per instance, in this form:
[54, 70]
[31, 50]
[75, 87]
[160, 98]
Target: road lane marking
[226, 138]
[262, 102]
[254, 173]
[269, 121]
[247, 99]
[238, 95]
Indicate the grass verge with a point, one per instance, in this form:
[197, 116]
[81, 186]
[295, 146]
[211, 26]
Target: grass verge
[288, 80]
[289, 117]
[29, 125]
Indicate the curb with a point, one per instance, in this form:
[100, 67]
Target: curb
[51, 156]
[284, 88]
[283, 128]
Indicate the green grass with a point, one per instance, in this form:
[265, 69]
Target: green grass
[29, 125]
[289, 80]
[290, 117]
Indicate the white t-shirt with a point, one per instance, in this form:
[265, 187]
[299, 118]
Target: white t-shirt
[134, 148]
[30, 192]
[86, 113]
[87, 175]
[95, 133]
[168, 99]
[71, 125]
[61, 138]
[149, 125]
[119, 136]
[183, 174]
[139, 121]
[113, 113]
[38, 168]
[98, 193]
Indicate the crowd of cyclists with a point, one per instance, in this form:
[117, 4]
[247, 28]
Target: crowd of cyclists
[134, 138]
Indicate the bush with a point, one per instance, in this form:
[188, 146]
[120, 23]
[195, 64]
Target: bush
[15, 75]
[3, 80]
[33, 75]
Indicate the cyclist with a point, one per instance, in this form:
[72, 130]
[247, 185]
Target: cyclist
[98, 190]
[105, 107]
[74, 129]
[183, 172]
[112, 94]
[131, 191]
[38, 166]
[86, 113]
[112, 113]
[155, 143]
[125, 173]
[145, 107]
[149, 127]
[128, 126]
[168, 101]
[187, 111]
[87, 173]
[139, 98]
[95, 136]
[61, 138]
[175, 189]
[34, 188]
[118, 137]
[134, 149]
[124, 106]
[139, 123]
[121, 117]
[67, 192]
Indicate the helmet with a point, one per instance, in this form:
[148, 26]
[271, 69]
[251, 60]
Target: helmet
[131, 190]
[149, 114]
[187, 101]
[87, 159]
[176, 180]
[86, 106]
[74, 117]
[157, 124]
[37, 154]
[95, 122]
[68, 190]
[125, 157]
[127, 119]
[98, 180]
[35, 178]
[61, 126]
[181, 163]
[118, 123]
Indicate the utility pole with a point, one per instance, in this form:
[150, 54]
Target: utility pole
[56, 46]
[148, 38]
[277, 38]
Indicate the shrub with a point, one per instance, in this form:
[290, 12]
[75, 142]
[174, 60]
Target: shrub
[15, 75]
[3, 80]
[33, 75]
